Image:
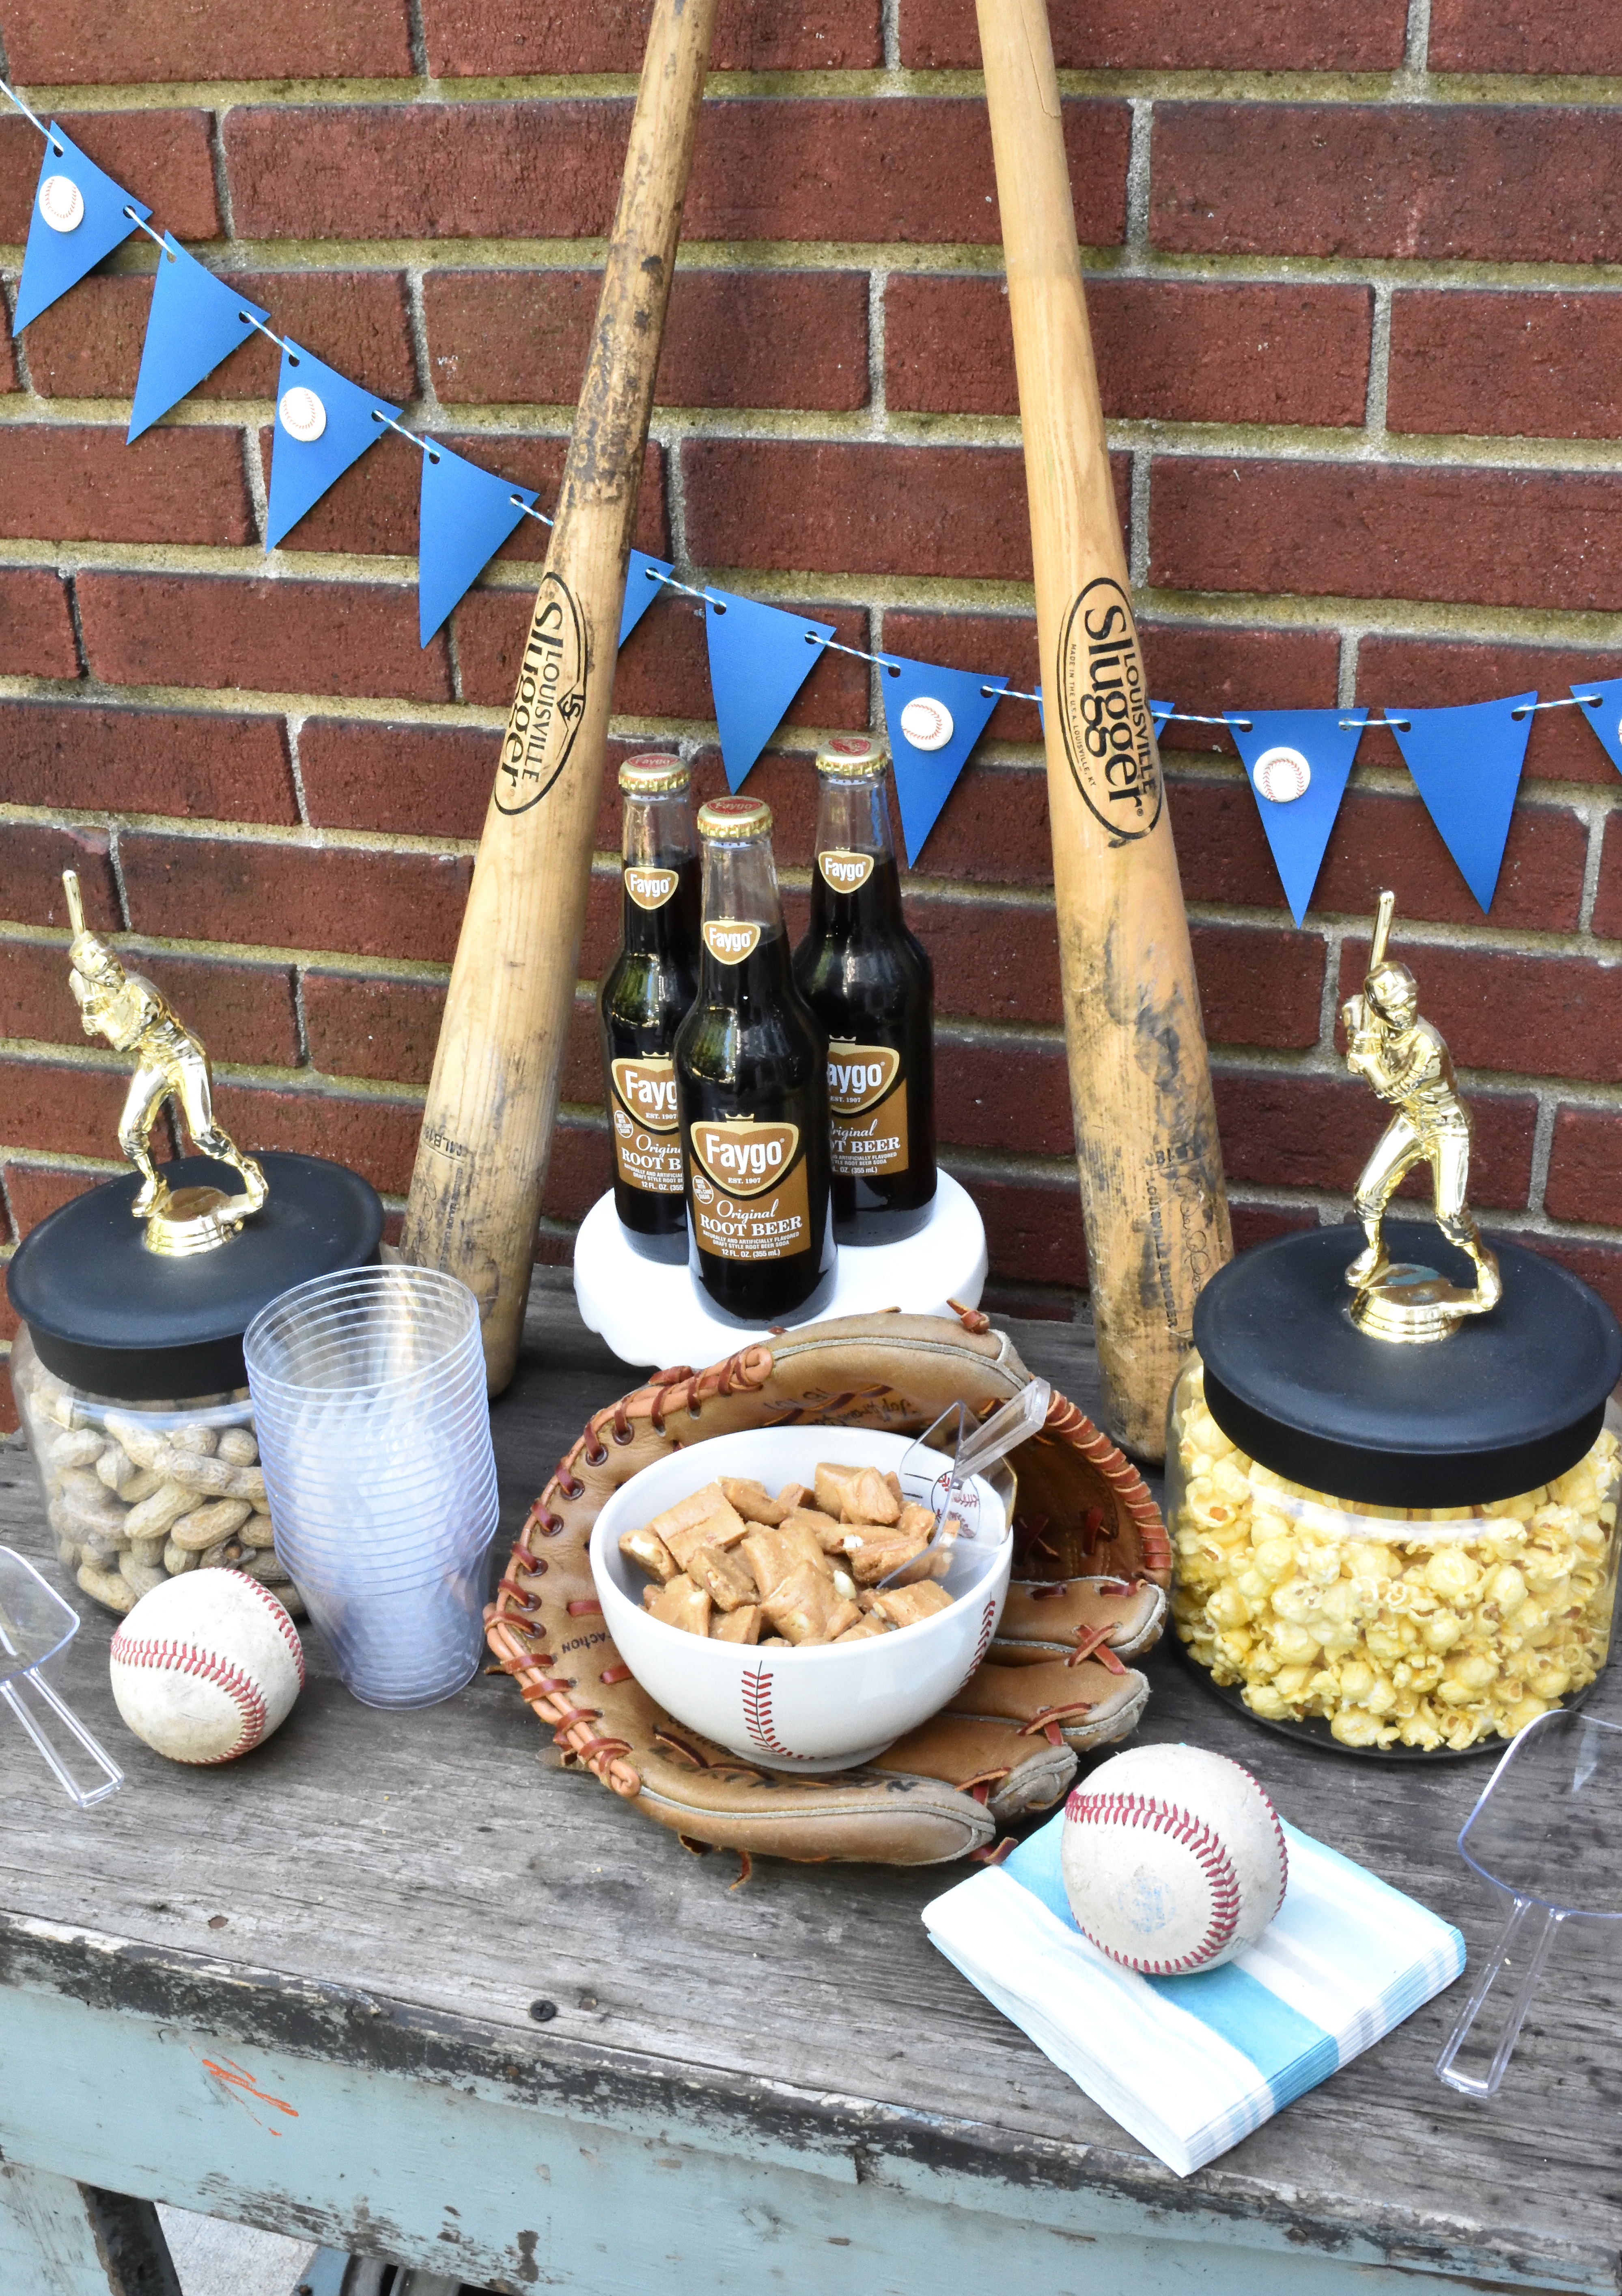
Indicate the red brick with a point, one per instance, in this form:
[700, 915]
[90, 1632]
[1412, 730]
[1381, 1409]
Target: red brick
[374, 1136]
[1255, 1223]
[1168, 350]
[32, 858]
[9, 1420]
[62, 43]
[1033, 1226]
[267, 637]
[35, 1190]
[243, 1012]
[580, 1168]
[89, 346]
[991, 963]
[1584, 1180]
[1259, 988]
[1279, 1130]
[1207, 671]
[160, 156]
[383, 1029]
[195, 762]
[731, 338]
[1506, 365]
[1379, 842]
[8, 357]
[60, 480]
[1550, 1015]
[1498, 184]
[1436, 673]
[978, 1083]
[36, 628]
[1608, 904]
[863, 509]
[1500, 35]
[803, 167]
[58, 1105]
[423, 780]
[9, 1323]
[1096, 34]
[374, 508]
[492, 39]
[1475, 537]
[1000, 645]
[369, 903]
[993, 829]
[1598, 1264]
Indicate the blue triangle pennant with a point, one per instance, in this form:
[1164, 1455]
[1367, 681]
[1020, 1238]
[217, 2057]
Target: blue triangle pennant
[935, 718]
[1467, 763]
[1296, 762]
[196, 321]
[331, 433]
[78, 215]
[759, 657]
[642, 586]
[1600, 699]
[466, 515]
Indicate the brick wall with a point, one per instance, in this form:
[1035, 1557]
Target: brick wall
[1355, 294]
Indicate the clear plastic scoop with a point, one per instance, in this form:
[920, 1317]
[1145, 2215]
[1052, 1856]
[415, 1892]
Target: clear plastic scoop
[976, 1446]
[35, 1624]
[1546, 1835]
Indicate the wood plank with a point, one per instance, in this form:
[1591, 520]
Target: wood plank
[59, 2238]
[397, 1890]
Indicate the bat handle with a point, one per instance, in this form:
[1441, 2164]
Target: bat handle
[76, 906]
[1382, 931]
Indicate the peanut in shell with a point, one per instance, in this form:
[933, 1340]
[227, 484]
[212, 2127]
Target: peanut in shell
[210, 1525]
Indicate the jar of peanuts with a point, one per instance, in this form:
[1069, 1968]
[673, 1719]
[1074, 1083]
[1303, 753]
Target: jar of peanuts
[1405, 1551]
[129, 1374]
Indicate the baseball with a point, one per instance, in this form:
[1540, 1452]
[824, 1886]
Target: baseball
[207, 1665]
[1283, 775]
[926, 723]
[1173, 1859]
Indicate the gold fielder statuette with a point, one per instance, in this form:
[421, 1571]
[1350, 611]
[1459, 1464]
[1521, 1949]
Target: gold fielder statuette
[130, 1014]
[1407, 1064]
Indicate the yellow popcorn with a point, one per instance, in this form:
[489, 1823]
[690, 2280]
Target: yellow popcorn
[1472, 1624]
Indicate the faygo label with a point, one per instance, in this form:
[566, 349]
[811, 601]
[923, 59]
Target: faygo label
[650, 889]
[648, 1090]
[843, 872]
[729, 940]
[744, 1158]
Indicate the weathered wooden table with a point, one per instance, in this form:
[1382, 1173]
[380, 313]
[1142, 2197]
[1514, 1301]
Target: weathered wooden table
[397, 1985]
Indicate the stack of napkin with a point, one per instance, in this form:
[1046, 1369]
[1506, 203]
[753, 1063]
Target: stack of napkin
[1189, 2065]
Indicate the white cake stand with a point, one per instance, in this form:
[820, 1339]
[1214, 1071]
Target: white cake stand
[650, 1313]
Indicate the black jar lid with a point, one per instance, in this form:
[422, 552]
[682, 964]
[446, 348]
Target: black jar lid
[1510, 1400]
[115, 1319]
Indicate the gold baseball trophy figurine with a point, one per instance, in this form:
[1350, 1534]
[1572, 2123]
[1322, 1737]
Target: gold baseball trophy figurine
[1405, 1061]
[134, 1017]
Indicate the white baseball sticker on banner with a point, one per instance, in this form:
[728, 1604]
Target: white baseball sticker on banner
[1283, 775]
[62, 203]
[926, 723]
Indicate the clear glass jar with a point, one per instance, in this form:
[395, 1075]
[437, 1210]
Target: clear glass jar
[137, 1493]
[1420, 1628]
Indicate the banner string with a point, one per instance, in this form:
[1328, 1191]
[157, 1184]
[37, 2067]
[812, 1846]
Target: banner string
[5, 89]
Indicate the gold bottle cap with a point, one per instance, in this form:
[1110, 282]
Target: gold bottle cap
[853, 757]
[654, 773]
[734, 820]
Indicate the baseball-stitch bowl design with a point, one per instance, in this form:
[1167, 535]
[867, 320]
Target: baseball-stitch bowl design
[821, 1709]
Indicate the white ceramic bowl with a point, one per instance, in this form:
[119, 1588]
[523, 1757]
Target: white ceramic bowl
[831, 1706]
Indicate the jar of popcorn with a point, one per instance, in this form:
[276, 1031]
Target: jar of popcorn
[1402, 1551]
[129, 1367]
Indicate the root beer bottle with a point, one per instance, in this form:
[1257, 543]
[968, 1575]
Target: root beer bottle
[870, 984]
[646, 993]
[751, 1089]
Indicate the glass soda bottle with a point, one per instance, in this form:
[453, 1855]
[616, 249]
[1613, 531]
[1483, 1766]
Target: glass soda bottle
[870, 982]
[751, 1089]
[645, 997]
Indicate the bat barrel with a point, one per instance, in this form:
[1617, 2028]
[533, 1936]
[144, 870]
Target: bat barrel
[1383, 917]
[76, 906]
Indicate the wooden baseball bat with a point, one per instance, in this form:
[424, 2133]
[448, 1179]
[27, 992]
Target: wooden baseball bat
[487, 1129]
[1147, 1149]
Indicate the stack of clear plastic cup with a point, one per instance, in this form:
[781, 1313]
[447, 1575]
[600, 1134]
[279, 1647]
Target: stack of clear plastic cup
[374, 1430]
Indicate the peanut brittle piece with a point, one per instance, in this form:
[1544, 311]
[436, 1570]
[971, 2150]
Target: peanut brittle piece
[723, 1577]
[650, 1554]
[708, 1509]
[806, 1607]
[867, 1629]
[795, 1494]
[876, 1553]
[905, 1606]
[915, 1518]
[740, 1626]
[833, 1482]
[751, 1500]
[871, 1499]
[829, 1534]
[773, 1554]
[682, 1604]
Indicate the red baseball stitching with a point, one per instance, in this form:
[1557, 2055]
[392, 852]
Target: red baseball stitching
[186, 1658]
[1139, 1811]
[280, 1618]
[757, 1711]
[982, 1647]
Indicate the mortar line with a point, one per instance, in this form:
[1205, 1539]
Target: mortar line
[1346, 686]
[889, 19]
[293, 727]
[1138, 521]
[1597, 819]
[1137, 250]
[1416, 48]
[1374, 441]
[1542, 1148]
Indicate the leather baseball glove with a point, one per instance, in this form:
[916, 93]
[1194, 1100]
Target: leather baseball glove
[1092, 1561]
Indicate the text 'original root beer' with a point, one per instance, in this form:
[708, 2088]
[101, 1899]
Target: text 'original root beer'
[645, 994]
[869, 983]
[752, 1092]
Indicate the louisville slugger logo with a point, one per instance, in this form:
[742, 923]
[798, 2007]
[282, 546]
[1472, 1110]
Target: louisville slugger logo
[551, 696]
[743, 1157]
[650, 889]
[729, 940]
[1104, 712]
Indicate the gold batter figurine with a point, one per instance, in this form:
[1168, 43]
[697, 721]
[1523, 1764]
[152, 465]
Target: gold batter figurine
[130, 1013]
[1405, 1061]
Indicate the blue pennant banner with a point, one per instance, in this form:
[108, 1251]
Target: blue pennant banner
[1599, 699]
[642, 586]
[466, 514]
[323, 422]
[1159, 711]
[1296, 762]
[935, 717]
[78, 215]
[759, 657]
[196, 321]
[1467, 763]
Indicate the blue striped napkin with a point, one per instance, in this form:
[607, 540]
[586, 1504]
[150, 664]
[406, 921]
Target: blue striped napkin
[1189, 2065]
